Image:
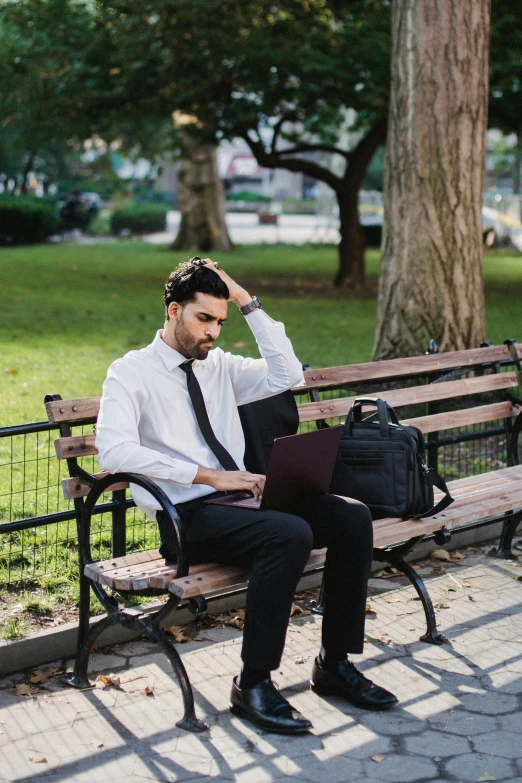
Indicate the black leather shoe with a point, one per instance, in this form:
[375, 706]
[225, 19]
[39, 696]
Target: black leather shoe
[267, 709]
[346, 681]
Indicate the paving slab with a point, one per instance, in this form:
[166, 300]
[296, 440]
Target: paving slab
[459, 716]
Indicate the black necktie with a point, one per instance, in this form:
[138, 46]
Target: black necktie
[194, 390]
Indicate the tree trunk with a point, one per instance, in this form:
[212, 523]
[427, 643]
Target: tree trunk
[431, 283]
[202, 201]
[351, 269]
[516, 164]
[27, 169]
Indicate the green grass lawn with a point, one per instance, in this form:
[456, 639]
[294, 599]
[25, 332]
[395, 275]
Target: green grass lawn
[68, 311]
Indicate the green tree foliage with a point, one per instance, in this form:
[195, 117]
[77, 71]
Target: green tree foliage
[279, 75]
[45, 47]
[505, 100]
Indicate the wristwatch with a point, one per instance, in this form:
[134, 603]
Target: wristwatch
[255, 304]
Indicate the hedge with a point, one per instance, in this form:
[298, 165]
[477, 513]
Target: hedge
[139, 218]
[25, 220]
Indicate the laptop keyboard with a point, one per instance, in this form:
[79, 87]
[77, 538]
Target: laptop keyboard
[248, 503]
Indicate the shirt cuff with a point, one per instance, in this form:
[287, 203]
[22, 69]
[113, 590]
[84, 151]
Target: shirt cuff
[185, 475]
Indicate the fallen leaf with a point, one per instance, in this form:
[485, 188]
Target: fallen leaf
[198, 639]
[415, 598]
[393, 600]
[43, 675]
[43, 760]
[105, 680]
[412, 629]
[368, 608]
[383, 640]
[23, 689]
[149, 691]
[178, 633]
[371, 640]
[236, 622]
[470, 598]
[456, 556]
[486, 776]
[296, 609]
[440, 554]
[442, 606]
[300, 660]
[379, 757]
[97, 744]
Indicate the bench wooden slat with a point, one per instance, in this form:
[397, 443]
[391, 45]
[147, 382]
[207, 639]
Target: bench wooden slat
[399, 368]
[437, 422]
[76, 488]
[313, 411]
[75, 446]
[518, 350]
[73, 410]
[188, 587]
[143, 570]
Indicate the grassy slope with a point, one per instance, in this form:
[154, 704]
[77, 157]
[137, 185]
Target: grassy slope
[68, 311]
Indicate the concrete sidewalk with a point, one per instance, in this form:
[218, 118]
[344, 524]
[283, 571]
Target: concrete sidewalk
[458, 719]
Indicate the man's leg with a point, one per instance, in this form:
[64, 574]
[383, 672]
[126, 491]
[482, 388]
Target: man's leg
[276, 546]
[345, 527]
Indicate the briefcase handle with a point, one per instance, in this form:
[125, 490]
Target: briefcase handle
[383, 409]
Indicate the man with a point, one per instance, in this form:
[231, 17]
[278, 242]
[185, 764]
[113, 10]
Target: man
[151, 423]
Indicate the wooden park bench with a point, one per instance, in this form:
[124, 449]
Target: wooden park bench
[447, 396]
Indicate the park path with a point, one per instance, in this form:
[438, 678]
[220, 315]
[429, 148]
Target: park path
[459, 717]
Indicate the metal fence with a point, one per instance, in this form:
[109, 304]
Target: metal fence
[38, 534]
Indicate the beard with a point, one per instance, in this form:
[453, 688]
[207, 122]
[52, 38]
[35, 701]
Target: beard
[195, 349]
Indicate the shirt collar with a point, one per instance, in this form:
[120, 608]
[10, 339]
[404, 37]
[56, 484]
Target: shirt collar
[170, 357]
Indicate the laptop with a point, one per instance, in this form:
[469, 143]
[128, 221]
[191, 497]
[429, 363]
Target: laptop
[300, 466]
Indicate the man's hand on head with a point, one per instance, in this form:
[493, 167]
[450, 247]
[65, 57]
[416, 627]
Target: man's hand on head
[227, 480]
[238, 295]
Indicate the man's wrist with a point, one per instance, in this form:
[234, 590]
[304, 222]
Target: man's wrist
[242, 298]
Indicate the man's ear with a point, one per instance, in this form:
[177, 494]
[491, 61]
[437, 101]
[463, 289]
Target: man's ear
[174, 309]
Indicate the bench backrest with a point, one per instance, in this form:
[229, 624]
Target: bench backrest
[69, 413]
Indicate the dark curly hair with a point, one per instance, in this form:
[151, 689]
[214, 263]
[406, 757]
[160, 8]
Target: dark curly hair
[187, 279]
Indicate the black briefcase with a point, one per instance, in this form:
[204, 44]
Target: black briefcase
[382, 463]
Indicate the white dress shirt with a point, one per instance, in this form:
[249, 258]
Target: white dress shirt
[147, 423]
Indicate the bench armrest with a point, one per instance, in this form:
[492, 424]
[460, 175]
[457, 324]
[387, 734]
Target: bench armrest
[157, 493]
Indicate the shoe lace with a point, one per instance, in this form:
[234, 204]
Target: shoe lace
[274, 697]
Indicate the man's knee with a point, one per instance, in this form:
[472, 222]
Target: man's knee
[294, 533]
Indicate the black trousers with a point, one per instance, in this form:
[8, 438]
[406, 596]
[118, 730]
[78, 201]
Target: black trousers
[276, 545]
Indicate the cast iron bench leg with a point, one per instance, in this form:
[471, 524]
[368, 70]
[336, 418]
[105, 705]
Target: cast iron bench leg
[189, 722]
[79, 678]
[509, 528]
[432, 635]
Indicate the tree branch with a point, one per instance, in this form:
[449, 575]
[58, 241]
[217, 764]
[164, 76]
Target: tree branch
[315, 148]
[272, 160]
[363, 153]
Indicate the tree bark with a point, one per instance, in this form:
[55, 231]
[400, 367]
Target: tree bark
[431, 283]
[27, 169]
[351, 271]
[202, 201]
[516, 164]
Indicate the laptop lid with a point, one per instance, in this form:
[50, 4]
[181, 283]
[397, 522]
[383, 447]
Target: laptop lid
[300, 466]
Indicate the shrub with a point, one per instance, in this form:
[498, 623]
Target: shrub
[247, 195]
[139, 218]
[24, 221]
